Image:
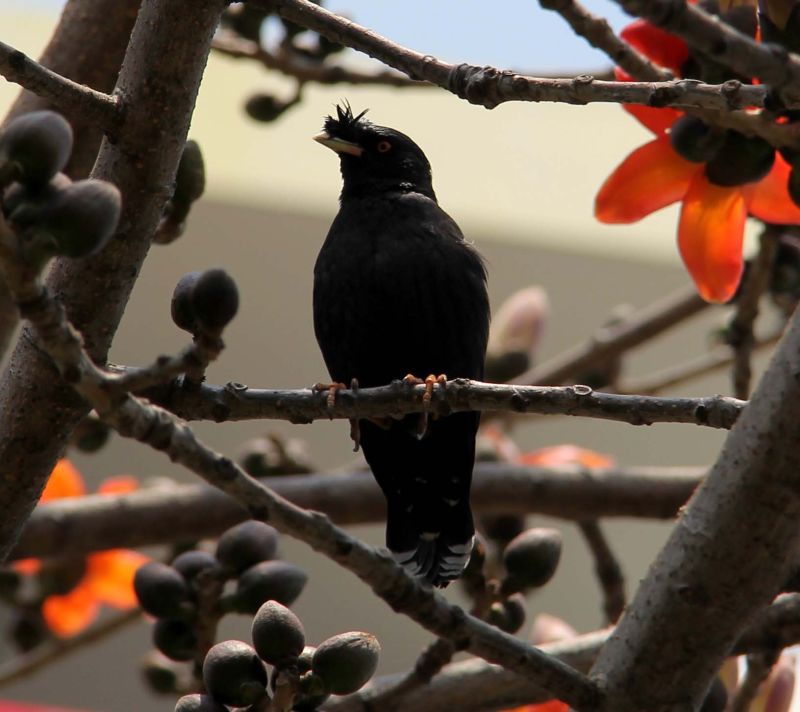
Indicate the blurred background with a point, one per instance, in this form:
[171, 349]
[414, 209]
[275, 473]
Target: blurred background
[520, 180]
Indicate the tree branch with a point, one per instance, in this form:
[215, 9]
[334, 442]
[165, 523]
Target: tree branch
[163, 431]
[607, 569]
[727, 557]
[474, 686]
[598, 33]
[159, 81]
[171, 513]
[235, 401]
[62, 92]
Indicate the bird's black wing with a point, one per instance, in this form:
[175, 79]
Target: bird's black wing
[398, 290]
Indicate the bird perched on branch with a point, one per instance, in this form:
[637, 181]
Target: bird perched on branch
[397, 291]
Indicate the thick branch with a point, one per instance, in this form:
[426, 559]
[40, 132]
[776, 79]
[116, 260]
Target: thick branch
[159, 81]
[236, 401]
[186, 512]
[727, 557]
[62, 92]
[475, 686]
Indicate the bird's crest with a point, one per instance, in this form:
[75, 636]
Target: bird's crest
[345, 124]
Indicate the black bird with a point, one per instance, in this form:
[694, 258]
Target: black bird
[397, 291]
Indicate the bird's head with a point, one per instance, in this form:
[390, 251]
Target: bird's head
[375, 158]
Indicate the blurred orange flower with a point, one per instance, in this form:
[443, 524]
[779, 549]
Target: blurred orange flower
[108, 578]
[711, 226]
[549, 706]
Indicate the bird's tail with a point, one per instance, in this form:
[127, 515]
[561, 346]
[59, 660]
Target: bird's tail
[438, 557]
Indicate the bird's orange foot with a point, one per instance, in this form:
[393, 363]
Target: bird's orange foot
[332, 389]
[429, 382]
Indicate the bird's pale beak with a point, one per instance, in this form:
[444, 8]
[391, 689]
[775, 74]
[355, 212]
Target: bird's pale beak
[338, 144]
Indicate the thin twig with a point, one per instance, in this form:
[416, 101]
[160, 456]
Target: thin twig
[64, 93]
[161, 514]
[717, 359]
[598, 33]
[607, 568]
[30, 663]
[740, 330]
[489, 87]
[235, 401]
[641, 326]
[772, 64]
[294, 65]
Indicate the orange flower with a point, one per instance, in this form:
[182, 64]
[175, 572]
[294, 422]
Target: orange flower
[566, 455]
[108, 578]
[711, 226]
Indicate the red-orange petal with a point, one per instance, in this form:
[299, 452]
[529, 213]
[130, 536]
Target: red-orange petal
[556, 455]
[109, 576]
[27, 567]
[769, 199]
[665, 49]
[69, 614]
[659, 121]
[550, 706]
[710, 236]
[121, 484]
[650, 178]
[65, 481]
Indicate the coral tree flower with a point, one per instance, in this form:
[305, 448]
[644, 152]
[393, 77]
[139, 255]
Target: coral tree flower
[108, 578]
[714, 209]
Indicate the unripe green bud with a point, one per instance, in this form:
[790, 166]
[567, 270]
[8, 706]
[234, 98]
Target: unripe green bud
[347, 661]
[531, 559]
[278, 634]
[39, 144]
[233, 674]
[269, 581]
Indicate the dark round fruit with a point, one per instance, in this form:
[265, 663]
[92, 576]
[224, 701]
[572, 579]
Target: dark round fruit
[39, 144]
[278, 634]
[246, 544]
[531, 559]
[181, 307]
[199, 703]
[90, 434]
[27, 629]
[191, 563]
[190, 179]
[161, 590]
[740, 160]
[214, 299]
[264, 107]
[233, 674]
[82, 217]
[695, 140]
[18, 194]
[175, 638]
[347, 661]
[269, 581]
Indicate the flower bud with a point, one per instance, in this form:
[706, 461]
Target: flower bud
[175, 638]
[214, 299]
[531, 559]
[278, 634]
[199, 703]
[346, 661]
[246, 544]
[38, 143]
[740, 160]
[180, 307]
[269, 581]
[161, 590]
[233, 674]
[190, 564]
[694, 140]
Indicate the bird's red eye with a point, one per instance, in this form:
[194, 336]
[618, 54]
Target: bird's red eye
[384, 147]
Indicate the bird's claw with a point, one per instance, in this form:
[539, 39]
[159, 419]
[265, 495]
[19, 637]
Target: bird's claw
[429, 382]
[332, 389]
